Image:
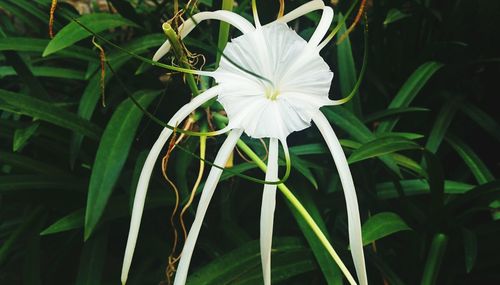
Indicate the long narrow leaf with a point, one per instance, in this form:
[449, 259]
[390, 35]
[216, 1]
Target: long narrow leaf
[111, 156]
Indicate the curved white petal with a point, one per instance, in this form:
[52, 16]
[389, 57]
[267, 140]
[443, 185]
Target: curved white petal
[142, 186]
[323, 26]
[353, 219]
[232, 18]
[206, 195]
[267, 211]
[301, 11]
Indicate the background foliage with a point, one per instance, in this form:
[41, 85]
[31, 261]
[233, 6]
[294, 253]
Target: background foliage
[421, 137]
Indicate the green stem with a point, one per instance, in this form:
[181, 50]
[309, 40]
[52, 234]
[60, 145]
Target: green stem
[302, 211]
[434, 259]
[223, 30]
[181, 56]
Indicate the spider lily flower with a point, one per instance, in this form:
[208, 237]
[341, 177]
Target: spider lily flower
[271, 82]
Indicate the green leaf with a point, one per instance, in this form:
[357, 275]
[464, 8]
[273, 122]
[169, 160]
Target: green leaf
[128, 11]
[409, 164]
[46, 71]
[223, 30]
[353, 126]
[90, 97]
[434, 259]
[111, 155]
[117, 208]
[388, 113]
[32, 9]
[305, 149]
[409, 90]
[26, 75]
[485, 121]
[381, 146]
[284, 267]
[347, 71]
[394, 15]
[411, 187]
[347, 121]
[72, 221]
[72, 33]
[20, 14]
[382, 225]
[470, 248]
[301, 166]
[227, 269]
[443, 121]
[26, 224]
[93, 259]
[22, 136]
[34, 182]
[44, 111]
[22, 44]
[475, 164]
[19, 161]
[330, 269]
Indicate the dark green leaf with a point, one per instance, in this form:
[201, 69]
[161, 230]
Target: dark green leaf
[111, 155]
[347, 71]
[485, 121]
[42, 110]
[34, 182]
[443, 121]
[381, 146]
[434, 259]
[382, 225]
[394, 15]
[475, 164]
[330, 269]
[73, 32]
[93, 259]
[22, 136]
[412, 187]
[389, 113]
[242, 260]
[21, 44]
[409, 90]
[470, 248]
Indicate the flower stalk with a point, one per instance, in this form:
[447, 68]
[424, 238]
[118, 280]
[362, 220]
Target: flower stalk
[181, 56]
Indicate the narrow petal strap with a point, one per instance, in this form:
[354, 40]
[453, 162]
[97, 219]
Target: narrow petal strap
[142, 186]
[323, 26]
[267, 211]
[301, 11]
[353, 219]
[232, 18]
[206, 195]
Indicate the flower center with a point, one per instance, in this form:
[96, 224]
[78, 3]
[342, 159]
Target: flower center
[272, 94]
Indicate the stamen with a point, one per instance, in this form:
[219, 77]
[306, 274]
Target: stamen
[102, 61]
[281, 11]
[272, 94]
[53, 6]
[171, 259]
[356, 21]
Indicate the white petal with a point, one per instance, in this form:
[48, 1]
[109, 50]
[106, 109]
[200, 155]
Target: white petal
[232, 18]
[267, 211]
[353, 220]
[142, 186]
[323, 26]
[301, 11]
[206, 195]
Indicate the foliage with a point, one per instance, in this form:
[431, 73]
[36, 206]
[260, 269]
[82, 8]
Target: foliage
[420, 136]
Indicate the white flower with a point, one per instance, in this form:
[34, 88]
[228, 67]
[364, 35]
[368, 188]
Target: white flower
[271, 82]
